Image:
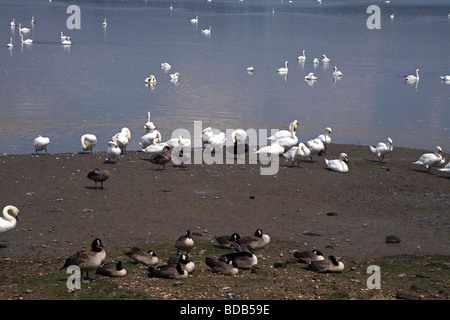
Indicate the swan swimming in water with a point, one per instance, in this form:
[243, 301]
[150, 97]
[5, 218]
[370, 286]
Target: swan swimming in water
[207, 31]
[302, 57]
[285, 69]
[88, 142]
[104, 22]
[149, 126]
[66, 41]
[175, 76]
[430, 159]
[41, 143]
[336, 72]
[445, 78]
[194, 20]
[296, 153]
[412, 78]
[381, 149]
[338, 165]
[10, 44]
[9, 218]
[27, 41]
[311, 76]
[165, 66]
[325, 59]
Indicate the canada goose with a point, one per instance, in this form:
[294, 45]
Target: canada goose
[87, 260]
[148, 258]
[329, 265]
[9, 218]
[241, 259]
[255, 242]
[430, 159]
[223, 266]
[41, 143]
[184, 243]
[189, 264]
[88, 142]
[112, 269]
[381, 149]
[307, 256]
[226, 241]
[162, 158]
[98, 175]
[177, 271]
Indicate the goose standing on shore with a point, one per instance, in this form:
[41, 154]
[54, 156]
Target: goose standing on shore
[338, 165]
[382, 148]
[98, 175]
[162, 158]
[430, 159]
[88, 260]
[41, 143]
[184, 243]
[88, 142]
[9, 218]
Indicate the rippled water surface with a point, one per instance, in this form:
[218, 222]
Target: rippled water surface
[96, 85]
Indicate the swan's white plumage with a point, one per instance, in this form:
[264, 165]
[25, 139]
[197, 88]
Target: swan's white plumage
[311, 76]
[325, 59]
[207, 31]
[446, 168]
[88, 141]
[272, 149]
[122, 138]
[336, 72]
[156, 147]
[150, 80]
[10, 44]
[213, 140]
[113, 151]
[284, 133]
[338, 165]
[41, 143]
[430, 159]
[302, 57]
[9, 218]
[149, 125]
[315, 146]
[27, 41]
[325, 137]
[165, 66]
[296, 153]
[412, 78]
[382, 148]
[285, 69]
[149, 137]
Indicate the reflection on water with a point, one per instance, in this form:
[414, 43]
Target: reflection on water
[96, 85]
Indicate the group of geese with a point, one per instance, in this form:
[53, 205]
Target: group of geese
[180, 266]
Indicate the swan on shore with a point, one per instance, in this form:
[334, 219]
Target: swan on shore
[338, 165]
[284, 133]
[430, 159]
[149, 138]
[10, 44]
[122, 138]
[382, 148]
[296, 153]
[88, 141]
[315, 146]
[9, 218]
[113, 151]
[41, 143]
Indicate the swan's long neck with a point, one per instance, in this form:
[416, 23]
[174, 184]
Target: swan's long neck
[148, 116]
[6, 214]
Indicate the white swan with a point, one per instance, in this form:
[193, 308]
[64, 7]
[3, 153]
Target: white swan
[88, 141]
[150, 80]
[325, 137]
[412, 78]
[325, 59]
[446, 168]
[430, 159]
[250, 69]
[311, 76]
[113, 151]
[178, 143]
[288, 142]
[381, 149]
[336, 72]
[273, 149]
[207, 31]
[41, 143]
[213, 140]
[13, 22]
[165, 66]
[148, 138]
[149, 125]
[445, 78]
[63, 37]
[284, 133]
[338, 165]
[315, 146]
[174, 76]
[285, 69]
[33, 20]
[24, 29]
[296, 153]
[302, 57]
[122, 138]
[155, 147]
[66, 41]
[316, 61]
[9, 218]
[27, 41]
[104, 23]
[194, 20]
[392, 16]
[239, 138]
[10, 44]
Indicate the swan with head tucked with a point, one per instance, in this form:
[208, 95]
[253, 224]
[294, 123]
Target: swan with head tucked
[315, 146]
[302, 57]
[155, 148]
[338, 165]
[239, 138]
[316, 61]
[9, 218]
[122, 138]
[148, 138]
[113, 151]
[207, 31]
[88, 141]
[430, 159]
[174, 76]
[336, 72]
[273, 149]
[310, 76]
[212, 140]
[296, 153]
[382, 148]
[27, 41]
[446, 168]
[445, 78]
[285, 69]
[250, 69]
[149, 126]
[325, 59]
[41, 143]
[412, 78]
[165, 66]
[10, 44]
